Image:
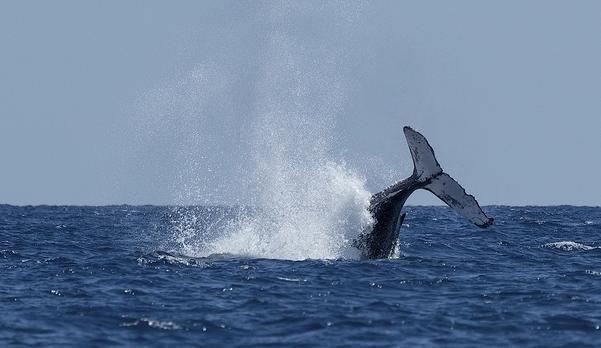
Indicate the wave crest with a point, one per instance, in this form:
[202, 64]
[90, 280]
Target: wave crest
[569, 246]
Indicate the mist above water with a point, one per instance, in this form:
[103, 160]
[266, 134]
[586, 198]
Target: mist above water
[277, 144]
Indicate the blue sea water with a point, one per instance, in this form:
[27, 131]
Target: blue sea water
[106, 276]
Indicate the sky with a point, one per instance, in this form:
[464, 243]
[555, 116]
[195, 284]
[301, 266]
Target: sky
[156, 102]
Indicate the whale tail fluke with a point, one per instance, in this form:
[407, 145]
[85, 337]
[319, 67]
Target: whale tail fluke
[428, 173]
[450, 192]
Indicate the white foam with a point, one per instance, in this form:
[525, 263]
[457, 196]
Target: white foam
[163, 325]
[569, 246]
[315, 217]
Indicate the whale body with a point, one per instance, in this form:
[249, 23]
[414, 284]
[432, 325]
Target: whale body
[385, 206]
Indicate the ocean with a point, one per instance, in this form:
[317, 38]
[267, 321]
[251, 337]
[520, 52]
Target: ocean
[163, 276]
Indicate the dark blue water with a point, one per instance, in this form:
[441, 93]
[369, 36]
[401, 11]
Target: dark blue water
[106, 276]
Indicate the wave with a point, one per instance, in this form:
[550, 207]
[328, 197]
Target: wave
[569, 246]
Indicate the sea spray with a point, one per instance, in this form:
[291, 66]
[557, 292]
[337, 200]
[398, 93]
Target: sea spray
[304, 203]
[315, 214]
[298, 198]
[316, 218]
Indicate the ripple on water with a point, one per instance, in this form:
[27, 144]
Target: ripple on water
[5, 254]
[110, 283]
[163, 258]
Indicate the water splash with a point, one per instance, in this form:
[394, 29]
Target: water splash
[301, 212]
[305, 201]
[315, 217]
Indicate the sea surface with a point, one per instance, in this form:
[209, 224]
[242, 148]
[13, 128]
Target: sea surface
[115, 276]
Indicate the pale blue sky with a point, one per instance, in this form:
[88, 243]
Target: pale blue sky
[113, 101]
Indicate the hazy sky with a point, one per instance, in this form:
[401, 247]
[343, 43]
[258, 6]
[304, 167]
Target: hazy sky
[138, 101]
